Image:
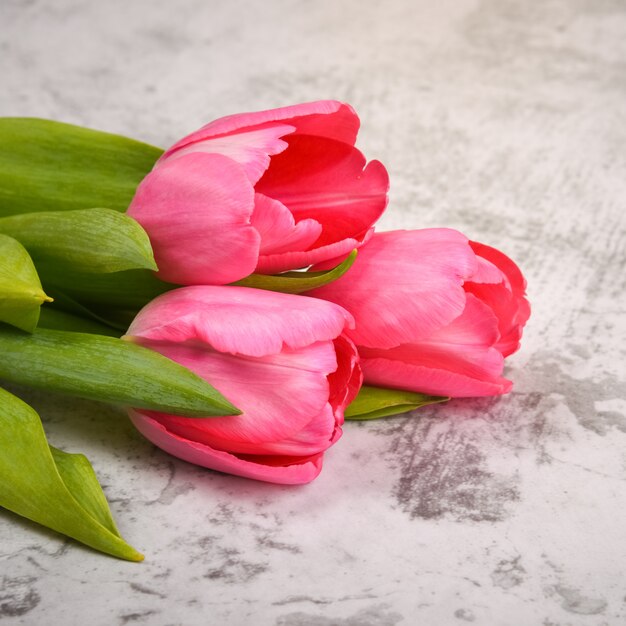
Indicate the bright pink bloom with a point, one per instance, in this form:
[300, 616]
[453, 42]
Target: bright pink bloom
[261, 192]
[435, 313]
[281, 359]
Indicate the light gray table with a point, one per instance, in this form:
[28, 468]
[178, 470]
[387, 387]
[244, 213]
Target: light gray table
[503, 118]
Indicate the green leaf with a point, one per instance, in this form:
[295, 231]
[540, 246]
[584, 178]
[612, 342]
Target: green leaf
[113, 318]
[87, 240]
[55, 319]
[297, 282]
[116, 317]
[374, 402]
[81, 481]
[106, 369]
[21, 294]
[51, 487]
[131, 289]
[51, 166]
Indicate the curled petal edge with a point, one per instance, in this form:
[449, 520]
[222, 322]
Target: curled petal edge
[297, 473]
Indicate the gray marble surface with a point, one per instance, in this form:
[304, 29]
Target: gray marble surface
[503, 118]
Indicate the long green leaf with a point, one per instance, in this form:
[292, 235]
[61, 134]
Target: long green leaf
[21, 295]
[374, 402]
[87, 240]
[51, 166]
[107, 369]
[51, 487]
[297, 282]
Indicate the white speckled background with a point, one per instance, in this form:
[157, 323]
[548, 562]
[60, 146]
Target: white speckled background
[503, 118]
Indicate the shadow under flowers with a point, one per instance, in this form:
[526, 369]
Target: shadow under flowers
[451, 460]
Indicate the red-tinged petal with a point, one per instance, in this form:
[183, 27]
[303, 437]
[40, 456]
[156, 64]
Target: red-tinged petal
[279, 395]
[328, 181]
[504, 264]
[505, 299]
[276, 263]
[340, 125]
[384, 372]
[325, 118]
[346, 381]
[239, 320]
[251, 148]
[196, 211]
[404, 285]
[278, 230]
[524, 310]
[281, 470]
[512, 313]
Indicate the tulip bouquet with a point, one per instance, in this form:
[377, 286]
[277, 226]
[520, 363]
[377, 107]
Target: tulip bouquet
[232, 295]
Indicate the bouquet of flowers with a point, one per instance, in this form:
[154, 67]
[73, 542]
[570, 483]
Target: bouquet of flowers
[232, 294]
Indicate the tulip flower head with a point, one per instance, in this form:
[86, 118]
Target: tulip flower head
[435, 313]
[281, 359]
[261, 192]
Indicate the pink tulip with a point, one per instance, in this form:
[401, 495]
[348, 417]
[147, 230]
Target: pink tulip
[261, 192]
[435, 313]
[281, 359]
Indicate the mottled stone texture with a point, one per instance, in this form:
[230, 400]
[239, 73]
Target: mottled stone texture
[503, 118]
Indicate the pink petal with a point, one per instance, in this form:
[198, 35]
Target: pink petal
[325, 118]
[281, 262]
[325, 428]
[281, 470]
[314, 438]
[239, 320]
[384, 372]
[476, 326]
[251, 148]
[463, 348]
[196, 211]
[278, 394]
[328, 181]
[278, 230]
[404, 285]
[487, 272]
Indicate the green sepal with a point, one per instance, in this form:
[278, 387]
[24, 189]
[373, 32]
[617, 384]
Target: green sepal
[87, 240]
[297, 282]
[106, 369]
[51, 487]
[21, 294]
[374, 402]
[51, 166]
